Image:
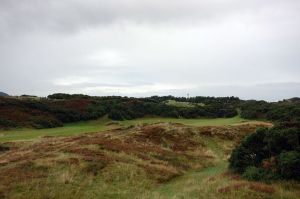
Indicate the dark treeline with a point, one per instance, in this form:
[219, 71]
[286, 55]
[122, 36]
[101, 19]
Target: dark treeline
[286, 110]
[60, 108]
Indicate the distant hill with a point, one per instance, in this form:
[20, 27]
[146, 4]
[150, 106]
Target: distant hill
[3, 94]
[295, 99]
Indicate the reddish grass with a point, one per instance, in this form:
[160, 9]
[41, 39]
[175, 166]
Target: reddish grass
[259, 187]
[74, 104]
[255, 186]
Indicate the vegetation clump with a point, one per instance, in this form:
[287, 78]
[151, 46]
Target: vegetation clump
[269, 154]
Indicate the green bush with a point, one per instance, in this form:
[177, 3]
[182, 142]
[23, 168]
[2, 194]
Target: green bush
[7, 123]
[259, 174]
[40, 122]
[251, 152]
[280, 143]
[289, 165]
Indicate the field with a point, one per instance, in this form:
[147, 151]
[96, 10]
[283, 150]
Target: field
[105, 124]
[157, 158]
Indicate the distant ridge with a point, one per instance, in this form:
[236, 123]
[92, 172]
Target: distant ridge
[3, 94]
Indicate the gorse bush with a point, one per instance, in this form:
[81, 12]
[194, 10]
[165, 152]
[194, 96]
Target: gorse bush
[289, 165]
[269, 154]
[40, 122]
[259, 174]
[8, 123]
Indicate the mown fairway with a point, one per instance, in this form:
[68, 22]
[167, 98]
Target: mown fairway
[105, 124]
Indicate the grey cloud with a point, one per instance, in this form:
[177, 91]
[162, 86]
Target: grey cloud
[71, 15]
[149, 47]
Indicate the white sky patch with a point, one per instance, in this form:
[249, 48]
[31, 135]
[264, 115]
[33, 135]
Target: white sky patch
[105, 58]
[133, 90]
[70, 81]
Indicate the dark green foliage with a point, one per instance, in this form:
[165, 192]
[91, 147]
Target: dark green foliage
[259, 174]
[254, 109]
[289, 165]
[8, 123]
[116, 114]
[136, 108]
[67, 96]
[287, 110]
[250, 152]
[40, 122]
[280, 144]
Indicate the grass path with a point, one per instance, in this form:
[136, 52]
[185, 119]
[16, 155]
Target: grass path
[193, 183]
[190, 184]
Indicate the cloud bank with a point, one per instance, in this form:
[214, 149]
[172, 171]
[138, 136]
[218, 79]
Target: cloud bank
[249, 49]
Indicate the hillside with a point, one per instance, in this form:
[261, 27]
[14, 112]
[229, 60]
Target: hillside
[142, 161]
[59, 109]
[78, 146]
[2, 94]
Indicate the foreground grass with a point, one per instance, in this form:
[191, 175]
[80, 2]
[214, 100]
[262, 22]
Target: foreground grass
[216, 182]
[106, 124]
[178, 163]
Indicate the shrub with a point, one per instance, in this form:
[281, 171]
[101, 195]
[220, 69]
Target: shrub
[40, 122]
[7, 123]
[289, 165]
[115, 115]
[268, 154]
[259, 174]
[251, 152]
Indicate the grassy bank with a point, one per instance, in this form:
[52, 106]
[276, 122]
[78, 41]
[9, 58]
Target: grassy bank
[106, 124]
[160, 161]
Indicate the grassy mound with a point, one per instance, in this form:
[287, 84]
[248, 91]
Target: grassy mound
[145, 161]
[105, 124]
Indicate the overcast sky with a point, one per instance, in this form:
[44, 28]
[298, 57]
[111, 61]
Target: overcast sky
[249, 49]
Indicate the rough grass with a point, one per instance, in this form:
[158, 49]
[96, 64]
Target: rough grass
[144, 161]
[193, 122]
[105, 124]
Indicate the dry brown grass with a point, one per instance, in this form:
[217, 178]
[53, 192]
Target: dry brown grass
[162, 151]
[254, 186]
